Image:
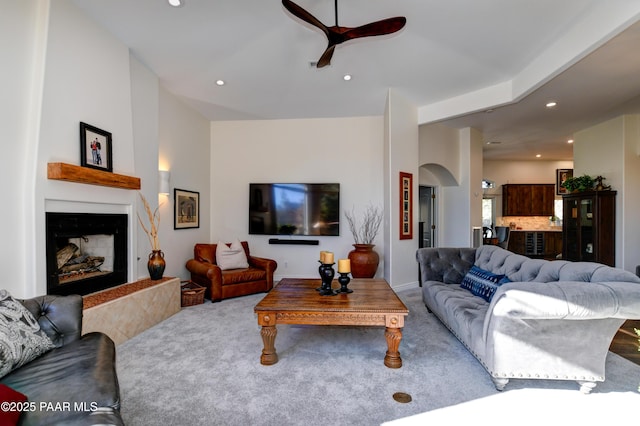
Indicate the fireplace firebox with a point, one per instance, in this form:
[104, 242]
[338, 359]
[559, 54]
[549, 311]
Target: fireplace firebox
[86, 252]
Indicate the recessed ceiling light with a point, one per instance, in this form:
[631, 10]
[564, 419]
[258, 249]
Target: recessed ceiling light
[551, 104]
[220, 82]
[494, 143]
[176, 3]
[347, 77]
[570, 141]
[538, 155]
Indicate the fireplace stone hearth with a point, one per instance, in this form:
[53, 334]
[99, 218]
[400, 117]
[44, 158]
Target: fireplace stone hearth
[117, 312]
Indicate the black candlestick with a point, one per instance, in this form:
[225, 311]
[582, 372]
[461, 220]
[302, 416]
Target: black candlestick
[320, 268]
[344, 280]
[327, 273]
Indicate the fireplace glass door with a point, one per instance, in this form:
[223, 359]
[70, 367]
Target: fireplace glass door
[85, 252]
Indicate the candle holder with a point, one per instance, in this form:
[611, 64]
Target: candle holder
[320, 268]
[344, 280]
[326, 274]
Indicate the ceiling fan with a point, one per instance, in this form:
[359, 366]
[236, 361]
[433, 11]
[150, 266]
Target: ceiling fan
[337, 35]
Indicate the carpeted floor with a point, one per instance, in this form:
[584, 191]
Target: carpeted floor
[202, 367]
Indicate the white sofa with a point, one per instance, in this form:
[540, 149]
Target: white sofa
[554, 320]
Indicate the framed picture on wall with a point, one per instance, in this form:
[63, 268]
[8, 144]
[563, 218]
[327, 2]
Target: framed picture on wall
[406, 206]
[95, 148]
[186, 209]
[561, 176]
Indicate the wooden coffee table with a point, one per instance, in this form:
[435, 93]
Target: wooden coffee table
[296, 301]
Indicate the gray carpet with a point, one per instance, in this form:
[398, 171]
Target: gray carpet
[202, 367]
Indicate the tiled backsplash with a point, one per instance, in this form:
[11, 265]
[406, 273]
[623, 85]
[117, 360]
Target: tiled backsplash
[530, 222]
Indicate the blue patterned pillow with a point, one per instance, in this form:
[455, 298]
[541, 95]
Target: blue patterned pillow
[483, 283]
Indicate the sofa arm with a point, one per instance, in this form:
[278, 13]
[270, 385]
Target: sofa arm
[574, 300]
[206, 270]
[208, 275]
[268, 265]
[60, 317]
[445, 264]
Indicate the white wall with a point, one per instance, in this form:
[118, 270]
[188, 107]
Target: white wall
[145, 103]
[513, 171]
[598, 150]
[451, 160]
[184, 150]
[439, 160]
[440, 145]
[345, 150]
[400, 153]
[460, 207]
[631, 201]
[473, 163]
[22, 42]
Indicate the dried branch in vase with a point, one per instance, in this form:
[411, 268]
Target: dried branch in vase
[371, 221]
[154, 224]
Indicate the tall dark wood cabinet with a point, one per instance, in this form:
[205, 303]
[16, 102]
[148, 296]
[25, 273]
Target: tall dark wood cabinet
[589, 227]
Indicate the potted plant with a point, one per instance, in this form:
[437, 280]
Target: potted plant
[364, 261]
[578, 183]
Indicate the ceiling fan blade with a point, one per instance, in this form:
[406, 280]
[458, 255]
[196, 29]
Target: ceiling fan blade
[325, 59]
[385, 26]
[337, 34]
[304, 15]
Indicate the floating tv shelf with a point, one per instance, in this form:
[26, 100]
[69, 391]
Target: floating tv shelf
[295, 242]
[72, 173]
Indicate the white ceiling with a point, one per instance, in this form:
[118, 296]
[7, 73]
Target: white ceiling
[453, 59]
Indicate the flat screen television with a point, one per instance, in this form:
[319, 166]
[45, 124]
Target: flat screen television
[305, 209]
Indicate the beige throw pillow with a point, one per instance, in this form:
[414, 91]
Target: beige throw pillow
[232, 257]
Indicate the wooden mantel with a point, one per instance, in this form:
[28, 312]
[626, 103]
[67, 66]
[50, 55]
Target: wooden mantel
[72, 173]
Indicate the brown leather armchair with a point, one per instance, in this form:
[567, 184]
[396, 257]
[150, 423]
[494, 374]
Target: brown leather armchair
[233, 282]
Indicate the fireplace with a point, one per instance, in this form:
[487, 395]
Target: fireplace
[86, 252]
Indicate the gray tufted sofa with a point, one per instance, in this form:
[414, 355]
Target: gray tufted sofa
[555, 320]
